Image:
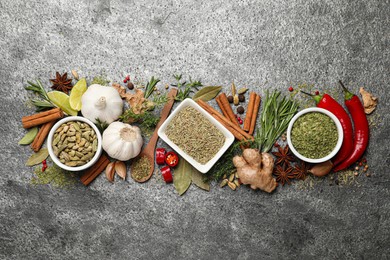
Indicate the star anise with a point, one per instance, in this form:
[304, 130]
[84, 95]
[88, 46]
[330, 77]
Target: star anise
[283, 156]
[300, 170]
[283, 174]
[62, 83]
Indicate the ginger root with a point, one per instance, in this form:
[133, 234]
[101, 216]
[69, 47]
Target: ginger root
[369, 101]
[255, 169]
[138, 103]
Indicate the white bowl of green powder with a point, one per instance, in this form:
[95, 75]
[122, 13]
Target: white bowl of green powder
[315, 135]
[194, 134]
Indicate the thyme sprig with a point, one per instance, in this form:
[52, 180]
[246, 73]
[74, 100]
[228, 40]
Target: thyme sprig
[147, 119]
[101, 125]
[43, 102]
[275, 117]
[185, 88]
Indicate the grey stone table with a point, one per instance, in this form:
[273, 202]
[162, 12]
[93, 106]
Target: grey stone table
[260, 44]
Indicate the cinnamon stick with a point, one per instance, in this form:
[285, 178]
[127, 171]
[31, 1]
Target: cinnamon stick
[234, 129]
[228, 109]
[91, 173]
[42, 117]
[219, 102]
[249, 112]
[254, 114]
[41, 136]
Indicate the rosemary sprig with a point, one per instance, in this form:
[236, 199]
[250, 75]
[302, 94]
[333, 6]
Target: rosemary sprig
[275, 117]
[185, 88]
[150, 86]
[43, 102]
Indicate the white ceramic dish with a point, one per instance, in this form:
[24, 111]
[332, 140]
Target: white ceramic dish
[203, 168]
[55, 158]
[339, 131]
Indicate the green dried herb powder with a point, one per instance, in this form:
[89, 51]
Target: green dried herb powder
[141, 168]
[55, 176]
[314, 135]
[195, 135]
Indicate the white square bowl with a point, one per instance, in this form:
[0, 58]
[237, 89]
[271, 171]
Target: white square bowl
[203, 168]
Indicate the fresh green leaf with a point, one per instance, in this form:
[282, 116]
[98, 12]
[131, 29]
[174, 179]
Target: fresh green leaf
[185, 88]
[207, 93]
[182, 177]
[199, 180]
[38, 157]
[29, 136]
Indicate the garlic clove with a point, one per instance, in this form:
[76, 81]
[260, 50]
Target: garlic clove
[110, 171]
[120, 168]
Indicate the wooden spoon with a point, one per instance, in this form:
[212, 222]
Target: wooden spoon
[148, 151]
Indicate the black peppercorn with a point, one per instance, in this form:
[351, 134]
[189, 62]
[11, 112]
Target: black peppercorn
[240, 110]
[230, 99]
[130, 85]
[241, 98]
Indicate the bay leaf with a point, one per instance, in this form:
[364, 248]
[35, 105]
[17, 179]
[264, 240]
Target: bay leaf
[197, 179]
[207, 93]
[242, 91]
[29, 137]
[182, 176]
[38, 157]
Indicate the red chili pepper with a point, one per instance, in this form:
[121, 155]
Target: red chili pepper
[171, 159]
[160, 156]
[360, 123]
[167, 174]
[327, 102]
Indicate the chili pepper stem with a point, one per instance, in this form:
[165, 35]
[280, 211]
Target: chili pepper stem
[347, 94]
[317, 98]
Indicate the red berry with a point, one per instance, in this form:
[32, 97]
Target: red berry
[291, 89]
[125, 81]
[317, 93]
[128, 77]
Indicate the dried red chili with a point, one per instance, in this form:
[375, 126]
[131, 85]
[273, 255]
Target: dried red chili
[167, 174]
[171, 159]
[160, 156]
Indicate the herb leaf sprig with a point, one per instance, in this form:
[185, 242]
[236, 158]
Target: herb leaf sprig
[275, 117]
[149, 89]
[185, 88]
[101, 125]
[43, 102]
[147, 119]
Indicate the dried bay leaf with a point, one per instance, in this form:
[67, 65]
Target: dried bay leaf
[38, 157]
[183, 176]
[197, 179]
[207, 93]
[29, 137]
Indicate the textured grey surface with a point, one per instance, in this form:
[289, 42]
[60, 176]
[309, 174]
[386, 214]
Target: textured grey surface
[260, 44]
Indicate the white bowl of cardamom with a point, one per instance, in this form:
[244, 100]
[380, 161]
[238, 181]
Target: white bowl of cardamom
[74, 143]
[197, 136]
[315, 135]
